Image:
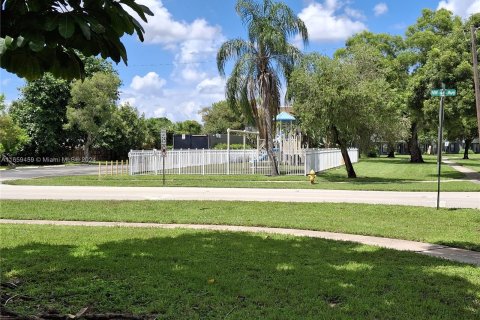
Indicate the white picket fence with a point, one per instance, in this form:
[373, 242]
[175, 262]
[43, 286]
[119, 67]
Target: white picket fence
[324, 159]
[225, 162]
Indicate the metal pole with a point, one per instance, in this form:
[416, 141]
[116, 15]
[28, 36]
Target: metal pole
[440, 143]
[163, 169]
[475, 76]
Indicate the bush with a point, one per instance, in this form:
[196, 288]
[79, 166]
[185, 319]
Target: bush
[235, 146]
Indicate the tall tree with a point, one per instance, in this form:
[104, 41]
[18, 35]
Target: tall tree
[429, 31]
[261, 62]
[42, 111]
[392, 58]
[12, 137]
[449, 62]
[125, 130]
[92, 105]
[49, 35]
[154, 129]
[340, 100]
[188, 127]
[219, 117]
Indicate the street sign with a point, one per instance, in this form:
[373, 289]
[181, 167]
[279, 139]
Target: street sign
[163, 138]
[443, 92]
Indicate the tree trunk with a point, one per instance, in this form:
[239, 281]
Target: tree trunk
[343, 149]
[391, 151]
[86, 148]
[412, 143]
[269, 142]
[468, 142]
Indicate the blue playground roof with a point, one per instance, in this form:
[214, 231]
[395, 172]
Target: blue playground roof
[285, 117]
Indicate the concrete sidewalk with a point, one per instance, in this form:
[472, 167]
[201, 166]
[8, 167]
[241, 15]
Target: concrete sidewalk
[454, 254]
[425, 199]
[470, 174]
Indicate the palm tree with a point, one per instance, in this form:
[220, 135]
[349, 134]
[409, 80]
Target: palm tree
[261, 62]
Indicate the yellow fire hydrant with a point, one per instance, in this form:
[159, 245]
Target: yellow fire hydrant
[311, 176]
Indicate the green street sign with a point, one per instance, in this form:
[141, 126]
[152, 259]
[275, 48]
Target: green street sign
[443, 92]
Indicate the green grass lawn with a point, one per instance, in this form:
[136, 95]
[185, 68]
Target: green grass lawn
[459, 228]
[179, 274]
[373, 174]
[473, 162]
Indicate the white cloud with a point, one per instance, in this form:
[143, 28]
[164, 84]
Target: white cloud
[355, 14]
[214, 85]
[380, 8]
[159, 112]
[193, 83]
[325, 22]
[177, 103]
[149, 83]
[463, 8]
[192, 42]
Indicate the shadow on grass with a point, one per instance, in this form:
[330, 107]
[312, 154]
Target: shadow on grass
[336, 175]
[213, 275]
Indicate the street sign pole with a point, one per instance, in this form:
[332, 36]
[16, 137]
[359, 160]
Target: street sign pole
[442, 93]
[440, 143]
[163, 139]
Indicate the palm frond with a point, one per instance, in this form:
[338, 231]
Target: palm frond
[232, 49]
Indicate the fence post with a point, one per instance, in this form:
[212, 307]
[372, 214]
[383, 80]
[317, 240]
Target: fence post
[305, 162]
[179, 160]
[228, 151]
[203, 161]
[155, 161]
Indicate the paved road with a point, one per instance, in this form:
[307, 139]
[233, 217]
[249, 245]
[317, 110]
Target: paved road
[455, 254]
[426, 199]
[47, 171]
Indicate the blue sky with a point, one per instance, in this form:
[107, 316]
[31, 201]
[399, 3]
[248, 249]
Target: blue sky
[173, 73]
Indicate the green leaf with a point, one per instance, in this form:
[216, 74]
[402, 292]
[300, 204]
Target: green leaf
[146, 10]
[37, 45]
[21, 41]
[8, 41]
[66, 26]
[50, 24]
[3, 47]
[84, 27]
[95, 25]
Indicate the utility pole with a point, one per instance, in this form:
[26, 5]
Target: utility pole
[475, 75]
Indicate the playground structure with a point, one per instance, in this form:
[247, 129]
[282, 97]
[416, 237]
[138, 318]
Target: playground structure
[291, 157]
[231, 162]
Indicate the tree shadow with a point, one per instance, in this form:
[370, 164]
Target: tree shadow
[340, 175]
[212, 275]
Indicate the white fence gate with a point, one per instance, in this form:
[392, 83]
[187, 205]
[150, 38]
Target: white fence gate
[225, 162]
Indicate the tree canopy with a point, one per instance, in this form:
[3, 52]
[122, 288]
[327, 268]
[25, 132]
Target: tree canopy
[12, 137]
[341, 100]
[219, 117]
[92, 105]
[49, 35]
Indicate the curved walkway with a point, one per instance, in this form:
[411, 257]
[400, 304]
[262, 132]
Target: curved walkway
[470, 174]
[455, 254]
